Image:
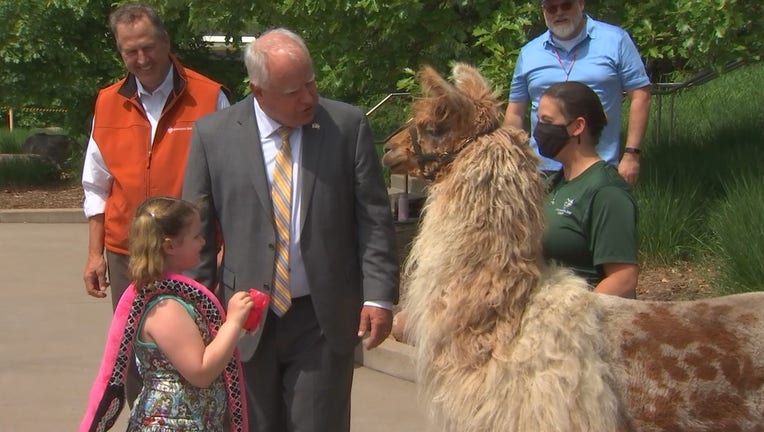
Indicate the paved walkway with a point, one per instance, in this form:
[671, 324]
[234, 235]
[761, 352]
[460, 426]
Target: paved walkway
[52, 334]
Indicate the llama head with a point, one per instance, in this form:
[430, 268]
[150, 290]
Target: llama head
[445, 119]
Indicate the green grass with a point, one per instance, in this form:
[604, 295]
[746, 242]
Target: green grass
[701, 189]
[668, 221]
[738, 240]
[40, 173]
[27, 172]
[19, 171]
[11, 141]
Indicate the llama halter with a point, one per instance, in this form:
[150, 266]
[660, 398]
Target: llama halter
[440, 159]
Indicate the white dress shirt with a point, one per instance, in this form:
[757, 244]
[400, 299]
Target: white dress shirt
[270, 142]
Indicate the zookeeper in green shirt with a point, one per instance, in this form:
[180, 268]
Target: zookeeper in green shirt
[590, 212]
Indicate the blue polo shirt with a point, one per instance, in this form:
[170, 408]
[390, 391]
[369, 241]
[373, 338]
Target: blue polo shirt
[606, 60]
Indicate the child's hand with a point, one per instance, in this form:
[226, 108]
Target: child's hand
[238, 308]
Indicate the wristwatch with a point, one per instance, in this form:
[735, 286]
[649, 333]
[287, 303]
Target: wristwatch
[632, 150]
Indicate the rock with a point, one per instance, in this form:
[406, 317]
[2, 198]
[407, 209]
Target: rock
[54, 147]
[29, 158]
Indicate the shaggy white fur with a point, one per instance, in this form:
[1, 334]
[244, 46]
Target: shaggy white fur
[478, 316]
[504, 343]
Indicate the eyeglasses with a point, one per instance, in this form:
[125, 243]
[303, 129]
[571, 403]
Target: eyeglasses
[552, 9]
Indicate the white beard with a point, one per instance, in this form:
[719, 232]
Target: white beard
[567, 30]
[563, 31]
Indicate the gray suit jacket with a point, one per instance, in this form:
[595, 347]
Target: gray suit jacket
[347, 233]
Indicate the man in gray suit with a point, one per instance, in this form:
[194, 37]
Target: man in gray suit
[342, 268]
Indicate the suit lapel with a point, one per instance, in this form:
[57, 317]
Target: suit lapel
[312, 137]
[248, 137]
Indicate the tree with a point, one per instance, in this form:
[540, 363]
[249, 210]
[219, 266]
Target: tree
[59, 52]
[55, 54]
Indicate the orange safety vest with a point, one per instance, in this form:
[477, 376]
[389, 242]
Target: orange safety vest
[139, 169]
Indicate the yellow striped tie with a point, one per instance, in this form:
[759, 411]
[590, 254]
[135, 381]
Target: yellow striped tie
[281, 192]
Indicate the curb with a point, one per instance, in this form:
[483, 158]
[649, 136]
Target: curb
[74, 215]
[390, 357]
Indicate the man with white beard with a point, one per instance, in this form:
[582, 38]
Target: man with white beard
[602, 56]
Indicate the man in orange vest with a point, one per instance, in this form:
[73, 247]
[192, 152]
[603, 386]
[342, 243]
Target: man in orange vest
[138, 144]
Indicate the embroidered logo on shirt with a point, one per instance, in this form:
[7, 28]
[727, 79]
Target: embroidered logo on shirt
[178, 129]
[565, 210]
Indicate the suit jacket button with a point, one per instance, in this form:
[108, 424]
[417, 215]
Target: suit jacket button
[271, 246]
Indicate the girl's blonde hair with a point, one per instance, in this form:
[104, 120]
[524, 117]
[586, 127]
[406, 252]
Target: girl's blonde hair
[156, 220]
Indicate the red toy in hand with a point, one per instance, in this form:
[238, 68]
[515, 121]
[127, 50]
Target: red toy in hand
[261, 300]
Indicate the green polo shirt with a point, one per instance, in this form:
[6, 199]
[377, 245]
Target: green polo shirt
[591, 220]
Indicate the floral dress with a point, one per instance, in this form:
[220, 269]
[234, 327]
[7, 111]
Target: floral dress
[169, 403]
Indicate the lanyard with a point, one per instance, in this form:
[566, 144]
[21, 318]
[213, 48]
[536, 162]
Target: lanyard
[562, 65]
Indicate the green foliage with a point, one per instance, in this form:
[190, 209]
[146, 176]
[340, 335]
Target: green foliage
[11, 141]
[390, 115]
[31, 171]
[669, 219]
[699, 193]
[59, 53]
[501, 36]
[55, 54]
[385, 117]
[736, 223]
[361, 47]
[695, 35]
[27, 171]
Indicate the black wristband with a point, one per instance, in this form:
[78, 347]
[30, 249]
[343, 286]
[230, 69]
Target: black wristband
[632, 150]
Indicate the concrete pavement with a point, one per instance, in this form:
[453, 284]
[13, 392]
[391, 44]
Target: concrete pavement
[52, 335]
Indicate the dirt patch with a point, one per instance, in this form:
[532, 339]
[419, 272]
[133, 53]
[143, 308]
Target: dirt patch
[679, 282]
[57, 196]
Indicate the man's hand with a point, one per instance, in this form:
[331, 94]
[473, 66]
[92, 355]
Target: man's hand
[628, 168]
[95, 276]
[378, 322]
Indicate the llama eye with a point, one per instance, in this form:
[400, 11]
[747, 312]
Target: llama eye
[434, 130]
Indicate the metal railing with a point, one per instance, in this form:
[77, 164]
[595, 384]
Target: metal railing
[386, 99]
[671, 89]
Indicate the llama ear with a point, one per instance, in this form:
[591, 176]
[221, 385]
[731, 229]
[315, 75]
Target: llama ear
[452, 100]
[433, 85]
[470, 82]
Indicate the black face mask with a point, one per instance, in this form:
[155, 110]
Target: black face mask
[551, 138]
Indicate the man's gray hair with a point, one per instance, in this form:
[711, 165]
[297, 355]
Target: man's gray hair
[132, 12]
[258, 52]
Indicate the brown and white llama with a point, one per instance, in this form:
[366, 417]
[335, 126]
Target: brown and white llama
[505, 343]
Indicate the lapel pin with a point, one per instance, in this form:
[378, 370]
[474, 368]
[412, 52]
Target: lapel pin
[315, 126]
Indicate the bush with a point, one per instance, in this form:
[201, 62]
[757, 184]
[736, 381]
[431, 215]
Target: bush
[13, 171]
[736, 224]
[11, 141]
[26, 170]
[669, 220]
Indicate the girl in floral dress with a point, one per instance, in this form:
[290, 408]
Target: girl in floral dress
[183, 342]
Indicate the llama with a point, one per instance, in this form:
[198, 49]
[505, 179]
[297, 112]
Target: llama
[504, 342]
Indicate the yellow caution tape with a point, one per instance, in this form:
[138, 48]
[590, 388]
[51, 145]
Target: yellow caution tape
[34, 109]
